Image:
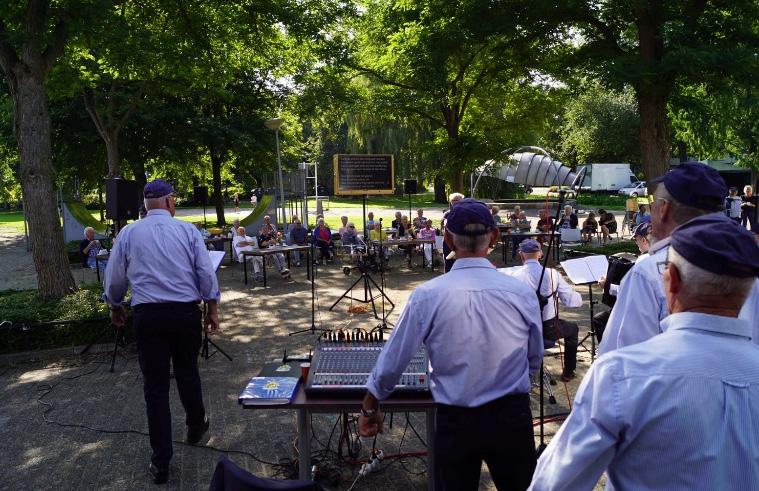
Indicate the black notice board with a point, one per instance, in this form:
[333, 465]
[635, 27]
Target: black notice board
[364, 174]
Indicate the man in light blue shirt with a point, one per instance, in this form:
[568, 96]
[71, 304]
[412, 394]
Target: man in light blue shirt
[676, 412]
[483, 335]
[689, 190]
[166, 263]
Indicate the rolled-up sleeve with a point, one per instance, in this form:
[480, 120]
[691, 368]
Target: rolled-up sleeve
[115, 278]
[208, 285]
[404, 342]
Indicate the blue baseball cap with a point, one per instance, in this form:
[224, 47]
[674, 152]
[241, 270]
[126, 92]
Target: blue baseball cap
[466, 212]
[157, 188]
[717, 244]
[642, 230]
[695, 184]
[529, 246]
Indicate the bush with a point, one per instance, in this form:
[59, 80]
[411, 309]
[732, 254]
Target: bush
[609, 249]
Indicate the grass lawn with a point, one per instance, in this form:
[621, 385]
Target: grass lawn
[12, 221]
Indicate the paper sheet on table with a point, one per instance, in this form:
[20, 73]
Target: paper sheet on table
[216, 258]
[584, 270]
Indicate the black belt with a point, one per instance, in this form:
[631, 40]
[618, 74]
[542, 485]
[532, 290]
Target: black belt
[508, 399]
[154, 307]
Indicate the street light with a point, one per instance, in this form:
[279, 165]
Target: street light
[275, 124]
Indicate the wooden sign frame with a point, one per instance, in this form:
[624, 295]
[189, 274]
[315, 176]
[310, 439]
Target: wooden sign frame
[347, 166]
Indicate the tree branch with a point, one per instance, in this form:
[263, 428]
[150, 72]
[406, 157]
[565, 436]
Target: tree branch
[608, 35]
[89, 104]
[477, 81]
[383, 79]
[8, 56]
[130, 110]
[56, 46]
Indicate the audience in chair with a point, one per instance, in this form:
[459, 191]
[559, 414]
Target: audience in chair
[428, 233]
[297, 235]
[589, 227]
[243, 242]
[351, 242]
[322, 239]
[89, 247]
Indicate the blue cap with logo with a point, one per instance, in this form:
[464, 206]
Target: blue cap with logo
[642, 230]
[529, 246]
[466, 212]
[695, 184]
[157, 188]
[717, 244]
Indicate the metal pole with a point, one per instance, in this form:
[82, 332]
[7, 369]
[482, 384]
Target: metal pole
[305, 196]
[281, 183]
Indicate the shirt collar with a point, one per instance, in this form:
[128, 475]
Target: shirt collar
[472, 262]
[658, 245]
[159, 211]
[707, 322]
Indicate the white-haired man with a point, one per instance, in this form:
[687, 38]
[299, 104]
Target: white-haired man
[677, 411]
[243, 242]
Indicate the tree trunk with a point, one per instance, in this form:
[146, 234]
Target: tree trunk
[682, 151]
[439, 185]
[654, 133]
[112, 151]
[216, 197]
[32, 130]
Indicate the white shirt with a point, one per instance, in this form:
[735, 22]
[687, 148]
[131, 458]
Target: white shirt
[239, 249]
[553, 283]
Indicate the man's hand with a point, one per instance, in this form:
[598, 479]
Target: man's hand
[118, 315]
[370, 426]
[211, 320]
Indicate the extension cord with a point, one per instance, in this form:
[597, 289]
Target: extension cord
[373, 464]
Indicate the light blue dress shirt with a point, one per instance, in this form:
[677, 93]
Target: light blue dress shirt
[163, 259]
[553, 284]
[482, 332]
[641, 303]
[677, 412]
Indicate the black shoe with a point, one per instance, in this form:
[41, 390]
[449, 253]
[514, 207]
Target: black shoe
[566, 375]
[159, 475]
[195, 433]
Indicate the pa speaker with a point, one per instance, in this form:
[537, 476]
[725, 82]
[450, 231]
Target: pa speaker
[122, 199]
[409, 186]
[200, 195]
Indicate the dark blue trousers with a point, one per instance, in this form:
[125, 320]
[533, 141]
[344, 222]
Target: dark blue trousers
[170, 332]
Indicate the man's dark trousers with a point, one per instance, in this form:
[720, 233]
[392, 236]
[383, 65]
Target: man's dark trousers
[169, 332]
[555, 329]
[499, 432]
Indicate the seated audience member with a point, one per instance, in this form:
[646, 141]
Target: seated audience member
[379, 235]
[243, 242]
[298, 236]
[397, 224]
[643, 215]
[369, 223]
[428, 233]
[697, 377]
[322, 239]
[544, 225]
[89, 247]
[569, 219]
[608, 224]
[267, 239]
[553, 285]
[589, 227]
[419, 220]
[344, 222]
[235, 226]
[350, 240]
[267, 228]
[733, 205]
[409, 233]
[519, 223]
[494, 210]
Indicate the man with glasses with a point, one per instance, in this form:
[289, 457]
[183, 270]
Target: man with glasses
[678, 410]
[167, 265]
[688, 191]
[297, 235]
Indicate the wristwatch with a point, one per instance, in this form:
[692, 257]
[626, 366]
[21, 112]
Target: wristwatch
[368, 413]
[115, 308]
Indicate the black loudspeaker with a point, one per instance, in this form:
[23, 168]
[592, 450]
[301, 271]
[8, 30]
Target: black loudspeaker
[200, 195]
[409, 186]
[122, 199]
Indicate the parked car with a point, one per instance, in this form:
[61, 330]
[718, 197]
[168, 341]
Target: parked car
[634, 190]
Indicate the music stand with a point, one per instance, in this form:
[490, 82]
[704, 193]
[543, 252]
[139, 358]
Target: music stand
[216, 258]
[587, 271]
[313, 329]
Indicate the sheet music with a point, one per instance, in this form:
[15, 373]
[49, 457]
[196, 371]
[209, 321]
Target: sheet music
[585, 270]
[512, 271]
[216, 258]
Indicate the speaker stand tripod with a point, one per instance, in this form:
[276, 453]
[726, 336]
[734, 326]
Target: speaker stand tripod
[369, 296]
[592, 332]
[205, 349]
[311, 263]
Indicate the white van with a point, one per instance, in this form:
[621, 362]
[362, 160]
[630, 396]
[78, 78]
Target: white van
[608, 177]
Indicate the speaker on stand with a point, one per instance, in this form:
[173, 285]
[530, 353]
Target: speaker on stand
[409, 188]
[122, 201]
[200, 195]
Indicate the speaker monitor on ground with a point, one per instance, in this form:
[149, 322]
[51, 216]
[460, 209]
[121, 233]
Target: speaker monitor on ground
[122, 199]
[409, 186]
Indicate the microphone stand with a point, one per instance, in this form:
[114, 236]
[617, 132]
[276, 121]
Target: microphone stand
[382, 327]
[312, 264]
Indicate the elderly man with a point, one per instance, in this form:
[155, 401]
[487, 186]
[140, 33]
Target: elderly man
[689, 190]
[241, 243]
[480, 368]
[89, 248]
[268, 238]
[675, 412]
[168, 283]
[419, 221]
[553, 286]
[568, 219]
[298, 235]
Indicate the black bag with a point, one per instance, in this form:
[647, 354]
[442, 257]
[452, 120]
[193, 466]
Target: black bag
[618, 268]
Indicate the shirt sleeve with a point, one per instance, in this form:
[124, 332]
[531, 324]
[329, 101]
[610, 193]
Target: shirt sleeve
[568, 296]
[636, 313]
[535, 345]
[208, 285]
[115, 278]
[586, 443]
[404, 342]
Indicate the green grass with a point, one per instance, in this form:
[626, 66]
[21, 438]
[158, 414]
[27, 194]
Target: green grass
[12, 221]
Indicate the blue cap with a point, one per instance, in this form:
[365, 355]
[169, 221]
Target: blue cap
[157, 188]
[466, 212]
[529, 246]
[642, 230]
[695, 184]
[717, 244]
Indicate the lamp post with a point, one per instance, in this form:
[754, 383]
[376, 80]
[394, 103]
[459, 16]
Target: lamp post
[275, 124]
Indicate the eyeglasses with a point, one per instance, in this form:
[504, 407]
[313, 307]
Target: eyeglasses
[351, 226]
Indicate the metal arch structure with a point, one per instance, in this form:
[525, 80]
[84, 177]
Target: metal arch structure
[530, 166]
